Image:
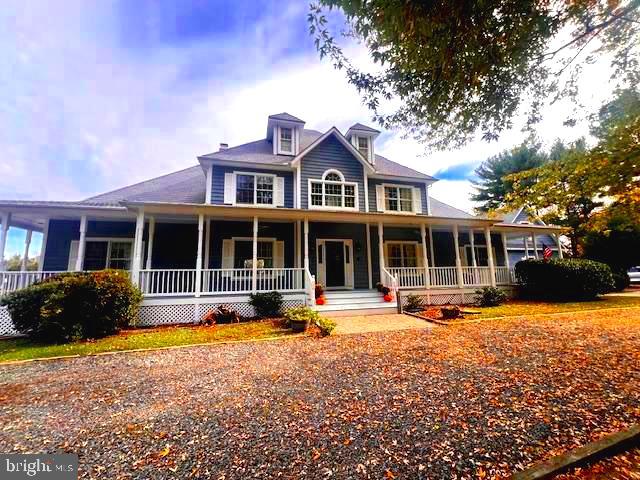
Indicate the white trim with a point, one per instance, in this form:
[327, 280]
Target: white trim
[321, 269]
[255, 190]
[427, 187]
[43, 248]
[152, 232]
[310, 206]
[271, 240]
[398, 212]
[242, 164]
[209, 186]
[199, 256]
[334, 131]
[366, 193]
[298, 196]
[401, 242]
[369, 256]
[278, 140]
[333, 170]
[108, 241]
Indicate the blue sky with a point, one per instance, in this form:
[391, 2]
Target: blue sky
[97, 95]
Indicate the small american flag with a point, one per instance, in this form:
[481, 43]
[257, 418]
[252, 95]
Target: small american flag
[547, 253]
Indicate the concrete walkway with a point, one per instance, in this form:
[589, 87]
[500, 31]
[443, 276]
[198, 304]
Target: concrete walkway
[377, 323]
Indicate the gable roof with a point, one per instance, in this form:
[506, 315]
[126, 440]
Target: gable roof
[285, 116]
[261, 151]
[336, 133]
[362, 128]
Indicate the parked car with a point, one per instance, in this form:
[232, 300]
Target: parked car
[634, 274]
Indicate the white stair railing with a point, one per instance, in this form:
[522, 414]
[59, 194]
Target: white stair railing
[389, 280]
[310, 284]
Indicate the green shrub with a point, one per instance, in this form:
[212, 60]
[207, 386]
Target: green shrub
[75, 306]
[267, 304]
[414, 303]
[326, 326]
[621, 280]
[301, 314]
[490, 297]
[563, 279]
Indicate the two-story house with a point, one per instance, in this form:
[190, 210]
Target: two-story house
[284, 212]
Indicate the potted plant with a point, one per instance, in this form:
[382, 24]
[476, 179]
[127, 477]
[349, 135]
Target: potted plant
[450, 312]
[299, 318]
[320, 298]
[379, 287]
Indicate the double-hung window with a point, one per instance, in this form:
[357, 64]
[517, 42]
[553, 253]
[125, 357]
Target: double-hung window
[286, 140]
[332, 192]
[402, 255]
[363, 147]
[254, 189]
[398, 199]
[244, 254]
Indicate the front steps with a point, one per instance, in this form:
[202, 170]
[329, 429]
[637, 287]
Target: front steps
[356, 302]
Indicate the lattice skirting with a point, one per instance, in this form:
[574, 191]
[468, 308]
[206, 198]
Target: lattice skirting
[6, 324]
[169, 313]
[449, 297]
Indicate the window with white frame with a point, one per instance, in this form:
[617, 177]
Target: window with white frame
[101, 253]
[120, 255]
[243, 254]
[254, 189]
[332, 191]
[363, 146]
[398, 199]
[286, 140]
[402, 255]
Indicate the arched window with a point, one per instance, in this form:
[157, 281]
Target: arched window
[333, 176]
[333, 191]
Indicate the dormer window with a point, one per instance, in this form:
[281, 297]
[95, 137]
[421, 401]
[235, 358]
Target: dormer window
[286, 140]
[363, 147]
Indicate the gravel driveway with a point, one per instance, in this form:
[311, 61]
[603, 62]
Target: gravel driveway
[448, 402]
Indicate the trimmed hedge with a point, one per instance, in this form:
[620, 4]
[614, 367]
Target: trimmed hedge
[563, 279]
[74, 306]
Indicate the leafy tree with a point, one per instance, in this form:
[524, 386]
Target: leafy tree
[493, 184]
[562, 192]
[14, 263]
[459, 67]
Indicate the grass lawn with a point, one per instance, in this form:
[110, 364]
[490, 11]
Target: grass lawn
[523, 307]
[23, 349]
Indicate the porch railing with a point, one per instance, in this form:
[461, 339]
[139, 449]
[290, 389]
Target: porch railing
[12, 281]
[505, 276]
[168, 282]
[409, 277]
[443, 276]
[476, 276]
[389, 280]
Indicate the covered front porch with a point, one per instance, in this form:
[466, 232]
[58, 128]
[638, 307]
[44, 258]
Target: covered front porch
[205, 251]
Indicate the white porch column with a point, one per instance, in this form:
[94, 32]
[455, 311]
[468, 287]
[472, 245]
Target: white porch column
[207, 244]
[381, 247]
[492, 265]
[81, 244]
[535, 245]
[254, 257]
[526, 247]
[369, 256]
[504, 249]
[558, 245]
[5, 219]
[433, 255]
[199, 256]
[152, 233]
[43, 248]
[296, 244]
[25, 258]
[425, 257]
[456, 246]
[137, 247]
[473, 248]
[306, 244]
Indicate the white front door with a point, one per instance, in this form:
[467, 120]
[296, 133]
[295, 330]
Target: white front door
[334, 262]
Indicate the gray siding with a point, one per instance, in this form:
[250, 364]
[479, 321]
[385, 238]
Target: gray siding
[330, 154]
[217, 186]
[372, 192]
